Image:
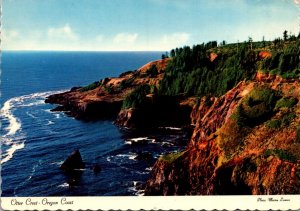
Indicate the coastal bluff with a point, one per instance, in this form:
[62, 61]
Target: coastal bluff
[244, 142]
[103, 99]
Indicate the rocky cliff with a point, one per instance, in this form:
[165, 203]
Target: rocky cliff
[103, 99]
[245, 142]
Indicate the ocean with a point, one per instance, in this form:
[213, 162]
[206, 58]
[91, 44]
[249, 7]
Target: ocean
[36, 141]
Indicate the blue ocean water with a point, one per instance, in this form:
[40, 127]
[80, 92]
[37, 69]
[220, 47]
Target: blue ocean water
[35, 141]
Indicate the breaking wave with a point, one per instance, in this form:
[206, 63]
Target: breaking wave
[14, 139]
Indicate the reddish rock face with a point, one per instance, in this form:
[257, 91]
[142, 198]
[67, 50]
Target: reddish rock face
[224, 157]
[105, 100]
[214, 112]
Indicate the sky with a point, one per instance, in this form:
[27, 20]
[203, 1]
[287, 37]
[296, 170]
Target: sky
[141, 25]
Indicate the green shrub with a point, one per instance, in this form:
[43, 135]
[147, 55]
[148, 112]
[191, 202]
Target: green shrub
[280, 153]
[284, 121]
[289, 75]
[287, 118]
[109, 89]
[152, 71]
[275, 72]
[90, 86]
[285, 103]
[125, 83]
[274, 124]
[137, 98]
[256, 107]
[171, 157]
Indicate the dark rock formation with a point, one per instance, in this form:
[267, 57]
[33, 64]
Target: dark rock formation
[158, 111]
[96, 168]
[146, 156]
[73, 162]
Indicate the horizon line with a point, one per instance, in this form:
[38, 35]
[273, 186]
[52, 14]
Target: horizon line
[51, 50]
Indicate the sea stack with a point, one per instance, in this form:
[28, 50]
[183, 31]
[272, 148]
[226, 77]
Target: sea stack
[74, 161]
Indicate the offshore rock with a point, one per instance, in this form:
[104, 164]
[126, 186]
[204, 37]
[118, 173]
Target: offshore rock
[146, 156]
[73, 162]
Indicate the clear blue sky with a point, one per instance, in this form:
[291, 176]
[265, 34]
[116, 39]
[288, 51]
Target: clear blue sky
[104, 25]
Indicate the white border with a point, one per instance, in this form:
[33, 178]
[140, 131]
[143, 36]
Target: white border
[260, 202]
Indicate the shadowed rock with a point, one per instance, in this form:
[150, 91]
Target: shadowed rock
[146, 156]
[96, 168]
[74, 161]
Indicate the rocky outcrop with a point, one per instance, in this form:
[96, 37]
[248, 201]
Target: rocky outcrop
[157, 111]
[144, 156]
[228, 156]
[103, 99]
[212, 113]
[73, 162]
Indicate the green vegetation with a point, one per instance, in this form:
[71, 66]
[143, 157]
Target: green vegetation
[90, 86]
[152, 71]
[137, 98]
[285, 59]
[274, 124]
[287, 118]
[109, 89]
[194, 72]
[126, 83]
[256, 107]
[171, 157]
[280, 153]
[191, 71]
[286, 103]
[284, 121]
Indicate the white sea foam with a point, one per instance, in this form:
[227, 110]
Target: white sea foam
[148, 169]
[64, 185]
[50, 122]
[142, 172]
[13, 130]
[9, 153]
[38, 102]
[130, 156]
[171, 128]
[57, 163]
[139, 139]
[79, 169]
[33, 170]
[135, 190]
[31, 115]
[14, 123]
[167, 143]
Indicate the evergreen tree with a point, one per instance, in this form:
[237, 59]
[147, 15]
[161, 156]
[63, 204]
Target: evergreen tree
[285, 35]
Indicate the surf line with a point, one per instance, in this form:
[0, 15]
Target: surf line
[13, 138]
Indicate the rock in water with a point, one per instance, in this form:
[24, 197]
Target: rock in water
[96, 168]
[74, 161]
[146, 156]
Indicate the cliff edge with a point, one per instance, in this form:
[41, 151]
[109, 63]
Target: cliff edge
[245, 142]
